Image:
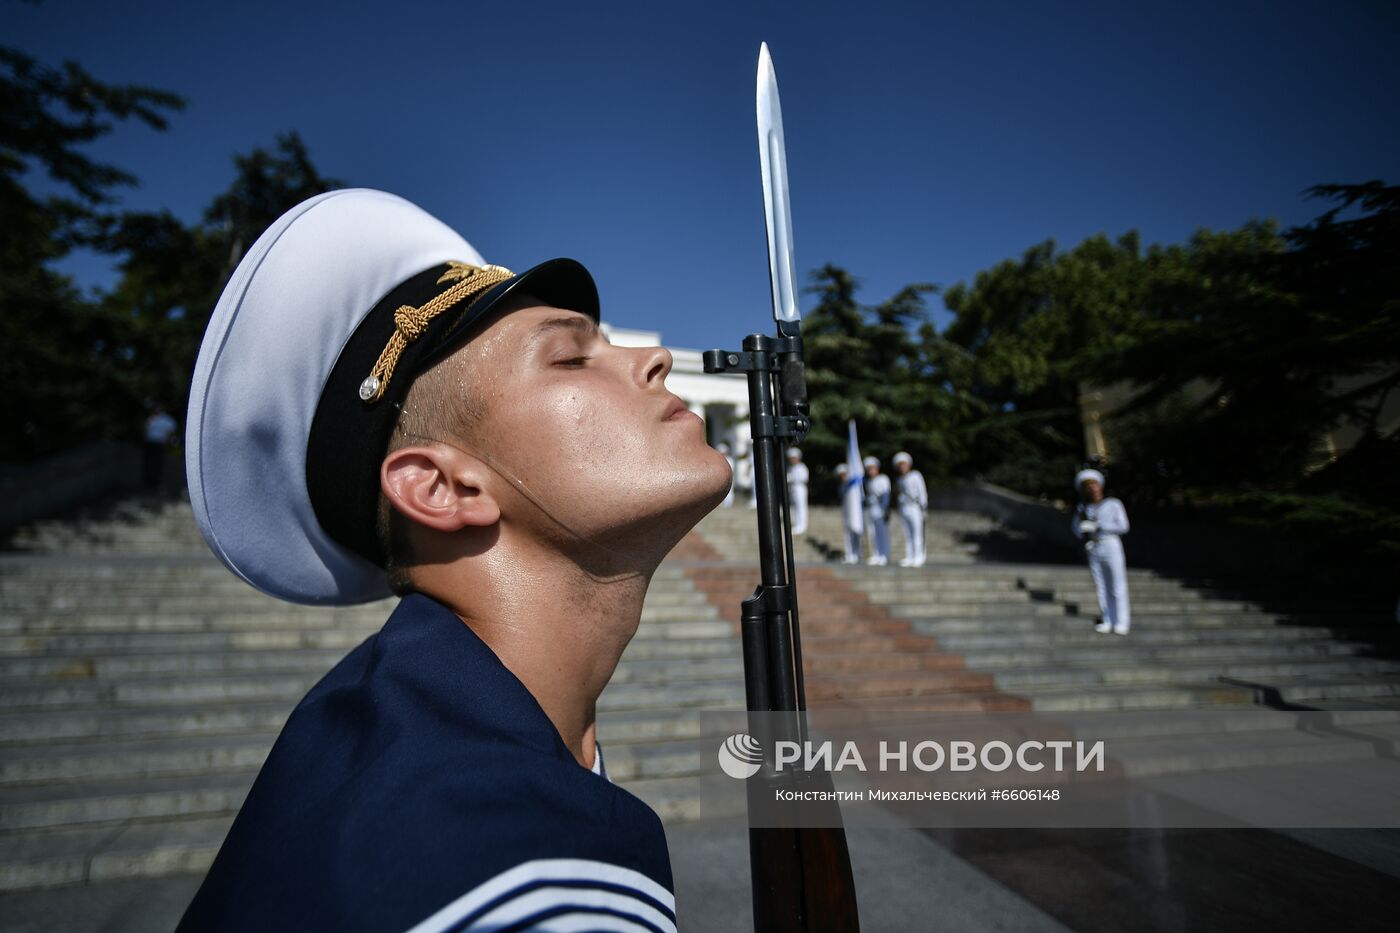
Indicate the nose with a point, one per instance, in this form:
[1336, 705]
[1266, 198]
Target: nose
[651, 366]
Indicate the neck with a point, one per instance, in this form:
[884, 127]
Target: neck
[556, 625]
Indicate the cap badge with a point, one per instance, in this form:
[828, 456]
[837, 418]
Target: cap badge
[471, 282]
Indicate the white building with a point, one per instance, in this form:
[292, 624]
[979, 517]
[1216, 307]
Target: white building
[722, 399]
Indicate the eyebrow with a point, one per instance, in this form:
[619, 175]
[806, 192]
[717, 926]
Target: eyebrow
[581, 323]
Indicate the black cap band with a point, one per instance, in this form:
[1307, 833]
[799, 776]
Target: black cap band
[349, 436]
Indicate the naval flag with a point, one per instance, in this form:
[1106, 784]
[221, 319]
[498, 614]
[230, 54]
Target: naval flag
[853, 494]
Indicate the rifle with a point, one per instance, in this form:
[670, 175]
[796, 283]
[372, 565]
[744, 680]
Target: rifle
[802, 875]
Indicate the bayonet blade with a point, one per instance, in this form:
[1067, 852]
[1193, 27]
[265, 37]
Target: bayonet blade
[777, 210]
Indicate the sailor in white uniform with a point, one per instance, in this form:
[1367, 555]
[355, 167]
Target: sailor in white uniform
[912, 499]
[1098, 522]
[797, 490]
[728, 458]
[743, 478]
[877, 504]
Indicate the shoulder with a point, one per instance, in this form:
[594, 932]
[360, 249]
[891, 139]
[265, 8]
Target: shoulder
[416, 773]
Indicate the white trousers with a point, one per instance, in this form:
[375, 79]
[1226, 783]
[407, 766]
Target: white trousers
[911, 514]
[797, 499]
[1110, 573]
[852, 546]
[878, 533]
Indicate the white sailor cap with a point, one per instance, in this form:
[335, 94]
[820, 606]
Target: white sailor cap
[903, 457]
[794, 452]
[871, 461]
[1084, 475]
[842, 468]
[303, 372]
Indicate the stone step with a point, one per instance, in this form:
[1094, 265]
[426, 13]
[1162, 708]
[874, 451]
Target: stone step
[1013, 679]
[116, 667]
[727, 694]
[726, 646]
[1070, 698]
[1156, 756]
[139, 850]
[948, 596]
[138, 693]
[1006, 624]
[817, 662]
[102, 724]
[1042, 638]
[1085, 652]
[1073, 697]
[88, 644]
[76, 803]
[892, 685]
[144, 690]
[933, 610]
[1335, 687]
[125, 759]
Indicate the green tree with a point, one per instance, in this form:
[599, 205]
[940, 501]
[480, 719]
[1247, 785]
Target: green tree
[1022, 344]
[865, 362]
[172, 275]
[62, 351]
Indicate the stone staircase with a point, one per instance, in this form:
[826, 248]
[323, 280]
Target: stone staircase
[143, 685]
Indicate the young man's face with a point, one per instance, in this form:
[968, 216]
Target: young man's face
[1092, 490]
[588, 428]
[902, 467]
[872, 470]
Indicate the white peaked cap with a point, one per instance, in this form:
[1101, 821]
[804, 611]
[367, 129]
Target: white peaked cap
[871, 461]
[794, 452]
[292, 311]
[903, 457]
[1083, 475]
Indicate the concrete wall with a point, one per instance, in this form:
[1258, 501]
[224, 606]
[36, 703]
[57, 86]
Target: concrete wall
[73, 478]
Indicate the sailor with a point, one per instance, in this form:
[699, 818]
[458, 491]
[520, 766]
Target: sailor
[743, 478]
[877, 506]
[850, 518]
[1098, 522]
[912, 500]
[728, 458]
[797, 477]
[376, 409]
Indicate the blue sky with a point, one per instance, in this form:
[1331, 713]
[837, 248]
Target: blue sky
[926, 141]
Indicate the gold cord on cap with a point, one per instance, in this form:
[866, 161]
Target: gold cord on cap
[409, 322]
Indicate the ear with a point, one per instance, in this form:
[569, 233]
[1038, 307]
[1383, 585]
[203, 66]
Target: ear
[440, 488]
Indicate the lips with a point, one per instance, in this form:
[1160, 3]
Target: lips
[673, 409]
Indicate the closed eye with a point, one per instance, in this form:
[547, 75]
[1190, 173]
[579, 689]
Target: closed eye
[573, 361]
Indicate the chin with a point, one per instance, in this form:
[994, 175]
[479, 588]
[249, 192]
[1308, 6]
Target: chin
[717, 479]
[694, 490]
